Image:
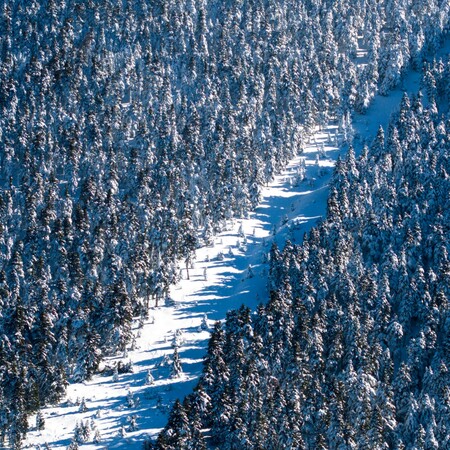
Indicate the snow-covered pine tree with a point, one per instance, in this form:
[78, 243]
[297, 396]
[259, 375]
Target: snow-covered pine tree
[176, 370]
[149, 378]
[40, 421]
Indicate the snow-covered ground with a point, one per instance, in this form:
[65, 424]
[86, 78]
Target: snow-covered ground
[225, 275]
[229, 273]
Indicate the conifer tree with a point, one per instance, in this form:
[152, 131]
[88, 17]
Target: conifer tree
[176, 370]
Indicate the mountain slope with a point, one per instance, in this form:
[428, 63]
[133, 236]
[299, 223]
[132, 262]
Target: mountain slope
[126, 128]
[351, 351]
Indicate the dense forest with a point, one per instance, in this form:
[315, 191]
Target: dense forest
[129, 131]
[352, 350]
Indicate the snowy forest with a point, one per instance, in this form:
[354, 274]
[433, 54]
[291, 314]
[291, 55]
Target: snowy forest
[131, 131]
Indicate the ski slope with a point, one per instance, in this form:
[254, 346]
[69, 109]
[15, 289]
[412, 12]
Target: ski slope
[121, 411]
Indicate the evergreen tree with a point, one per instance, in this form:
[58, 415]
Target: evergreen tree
[177, 370]
[40, 421]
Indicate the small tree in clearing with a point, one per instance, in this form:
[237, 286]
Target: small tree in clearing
[97, 436]
[115, 376]
[131, 402]
[176, 365]
[40, 421]
[204, 324]
[132, 423]
[149, 379]
[83, 407]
